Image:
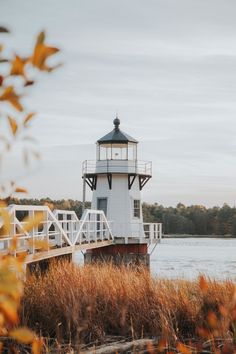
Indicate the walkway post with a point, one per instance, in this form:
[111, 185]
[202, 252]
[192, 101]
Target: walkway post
[84, 193]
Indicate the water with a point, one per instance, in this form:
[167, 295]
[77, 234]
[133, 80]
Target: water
[189, 257]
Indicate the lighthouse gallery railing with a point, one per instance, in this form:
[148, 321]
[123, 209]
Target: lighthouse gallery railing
[117, 166]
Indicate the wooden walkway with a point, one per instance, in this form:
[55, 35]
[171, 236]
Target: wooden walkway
[60, 232]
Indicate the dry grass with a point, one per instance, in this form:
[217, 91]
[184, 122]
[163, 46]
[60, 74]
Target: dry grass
[84, 304]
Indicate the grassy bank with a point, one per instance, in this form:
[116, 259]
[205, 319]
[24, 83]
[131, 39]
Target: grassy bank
[84, 304]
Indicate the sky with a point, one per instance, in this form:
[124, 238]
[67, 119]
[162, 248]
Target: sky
[167, 67]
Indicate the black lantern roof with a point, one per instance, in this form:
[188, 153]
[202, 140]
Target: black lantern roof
[116, 136]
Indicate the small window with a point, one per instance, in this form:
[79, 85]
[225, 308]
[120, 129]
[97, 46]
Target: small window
[102, 204]
[137, 208]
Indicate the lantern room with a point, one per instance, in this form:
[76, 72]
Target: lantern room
[117, 145]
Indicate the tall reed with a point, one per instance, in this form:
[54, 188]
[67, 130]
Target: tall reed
[87, 303]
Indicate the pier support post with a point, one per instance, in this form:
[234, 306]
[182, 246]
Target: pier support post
[42, 266]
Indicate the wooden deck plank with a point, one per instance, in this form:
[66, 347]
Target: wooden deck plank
[65, 250]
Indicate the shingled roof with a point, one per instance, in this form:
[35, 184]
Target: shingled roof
[116, 136]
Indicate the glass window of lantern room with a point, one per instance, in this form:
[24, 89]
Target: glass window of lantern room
[119, 152]
[108, 152]
[101, 152]
[104, 152]
[132, 151]
[124, 152]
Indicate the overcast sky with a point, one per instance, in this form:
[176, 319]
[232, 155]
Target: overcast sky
[167, 67]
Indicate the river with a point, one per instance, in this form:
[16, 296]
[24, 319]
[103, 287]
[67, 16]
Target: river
[188, 257]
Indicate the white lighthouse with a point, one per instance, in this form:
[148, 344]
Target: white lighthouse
[117, 178]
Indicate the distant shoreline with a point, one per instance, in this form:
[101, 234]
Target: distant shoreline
[197, 236]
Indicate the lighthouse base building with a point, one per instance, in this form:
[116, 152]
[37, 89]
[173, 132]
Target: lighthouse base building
[118, 254]
[116, 179]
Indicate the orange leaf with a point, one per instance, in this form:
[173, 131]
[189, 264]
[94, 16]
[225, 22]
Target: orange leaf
[21, 256]
[183, 349]
[18, 66]
[212, 319]
[40, 38]
[233, 314]
[15, 266]
[14, 242]
[6, 222]
[10, 96]
[39, 244]
[10, 285]
[20, 190]
[203, 332]
[224, 312]
[28, 118]
[150, 348]
[37, 346]
[9, 308]
[2, 321]
[162, 345]
[31, 222]
[13, 125]
[41, 53]
[22, 335]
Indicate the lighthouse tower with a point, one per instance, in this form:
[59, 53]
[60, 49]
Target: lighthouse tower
[116, 180]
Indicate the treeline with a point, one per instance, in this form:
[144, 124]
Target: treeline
[192, 220]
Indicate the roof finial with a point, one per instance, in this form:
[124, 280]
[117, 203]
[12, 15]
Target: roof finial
[116, 122]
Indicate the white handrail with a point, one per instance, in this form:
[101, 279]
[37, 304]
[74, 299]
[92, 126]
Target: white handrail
[134, 166]
[60, 228]
[93, 222]
[153, 231]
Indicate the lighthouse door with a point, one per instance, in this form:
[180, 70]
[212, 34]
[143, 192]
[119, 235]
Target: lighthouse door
[102, 204]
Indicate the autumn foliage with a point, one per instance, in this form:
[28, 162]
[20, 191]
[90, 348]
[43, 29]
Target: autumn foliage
[13, 112]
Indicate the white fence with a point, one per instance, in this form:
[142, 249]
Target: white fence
[153, 231]
[93, 227]
[59, 229]
[113, 166]
[145, 232]
[62, 231]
